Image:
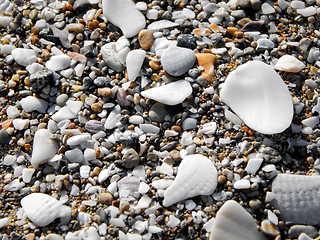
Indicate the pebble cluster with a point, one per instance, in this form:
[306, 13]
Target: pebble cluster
[123, 119]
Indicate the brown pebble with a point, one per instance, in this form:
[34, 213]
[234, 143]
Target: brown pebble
[310, 160]
[146, 39]
[124, 206]
[176, 128]
[75, 27]
[243, 21]
[93, 24]
[130, 159]
[30, 236]
[309, 94]
[96, 171]
[207, 60]
[154, 65]
[175, 155]
[155, 77]
[105, 198]
[255, 204]
[45, 55]
[222, 179]
[104, 92]
[97, 107]
[35, 30]
[235, 32]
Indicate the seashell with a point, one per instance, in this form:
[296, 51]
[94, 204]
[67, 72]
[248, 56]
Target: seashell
[288, 63]
[129, 188]
[297, 198]
[169, 94]
[113, 118]
[257, 95]
[125, 15]
[93, 126]
[134, 62]
[42, 209]
[234, 222]
[30, 104]
[43, 147]
[196, 175]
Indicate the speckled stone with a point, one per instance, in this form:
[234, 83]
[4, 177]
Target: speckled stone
[145, 39]
[40, 79]
[130, 159]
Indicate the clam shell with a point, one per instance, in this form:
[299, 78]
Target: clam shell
[196, 175]
[42, 209]
[257, 95]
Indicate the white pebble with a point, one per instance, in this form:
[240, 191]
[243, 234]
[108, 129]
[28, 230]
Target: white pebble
[173, 222]
[27, 174]
[85, 171]
[242, 184]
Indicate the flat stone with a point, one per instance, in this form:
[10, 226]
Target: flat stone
[234, 222]
[158, 112]
[177, 61]
[169, 94]
[206, 60]
[145, 39]
[196, 175]
[24, 56]
[111, 56]
[40, 79]
[296, 230]
[125, 15]
[129, 188]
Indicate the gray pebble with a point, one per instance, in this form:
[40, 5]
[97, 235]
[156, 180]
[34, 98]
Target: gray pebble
[158, 112]
[40, 79]
[101, 81]
[4, 137]
[62, 99]
[194, 72]
[130, 159]
[201, 81]
[244, 3]
[256, 4]
[296, 230]
[81, 5]
[238, 14]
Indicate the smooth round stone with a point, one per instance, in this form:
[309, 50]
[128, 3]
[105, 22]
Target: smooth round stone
[93, 126]
[145, 39]
[80, 5]
[134, 61]
[187, 41]
[62, 99]
[158, 112]
[40, 79]
[4, 137]
[288, 63]
[269, 229]
[74, 155]
[177, 60]
[267, 8]
[130, 159]
[255, 204]
[58, 62]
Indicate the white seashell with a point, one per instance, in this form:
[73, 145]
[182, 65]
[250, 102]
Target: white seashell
[257, 94]
[234, 222]
[161, 24]
[196, 175]
[128, 188]
[113, 118]
[289, 63]
[30, 104]
[125, 15]
[134, 63]
[78, 139]
[170, 94]
[20, 123]
[297, 198]
[57, 63]
[42, 209]
[43, 147]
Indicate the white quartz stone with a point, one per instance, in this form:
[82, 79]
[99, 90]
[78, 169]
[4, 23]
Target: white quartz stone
[74, 155]
[267, 8]
[43, 147]
[24, 56]
[125, 15]
[242, 184]
[289, 63]
[30, 104]
[196, 175]
[258, 95]
[42, 209]
[113, 118]
[27, 174]
[169, 94]
[134, 63]
[234, 222]
[58, 62]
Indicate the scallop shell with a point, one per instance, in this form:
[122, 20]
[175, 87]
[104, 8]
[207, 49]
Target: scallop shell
[196, 175]
[42, 209]
[297, 198]
[257, 95]
[234, 222]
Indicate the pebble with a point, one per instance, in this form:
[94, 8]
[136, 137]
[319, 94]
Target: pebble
[267, 9]
[81, 5]
[273, 122]
[58, 62]
[62, 99]
[169, 94]
[196, 175]
[269, 229]
[187, 41]
[74, 155]
[158, 112]
[4, 137]
[105, 198]
[177, 61]
[40, 79]
[130, 159]
[145, 39]
[125, 15]
[24, 56]
[111, 56]
[206, 60]
[134, 63]
[296, 230]
[289, 63]
[97, 107]
[230, 221]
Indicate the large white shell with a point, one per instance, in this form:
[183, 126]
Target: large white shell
[42, 209]
[125, 15]
[170, 94]
[196, 175]
[234, 222]
[30, 104]
[257, 94]
[43, 147]
[297, 198]
[289, 63]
